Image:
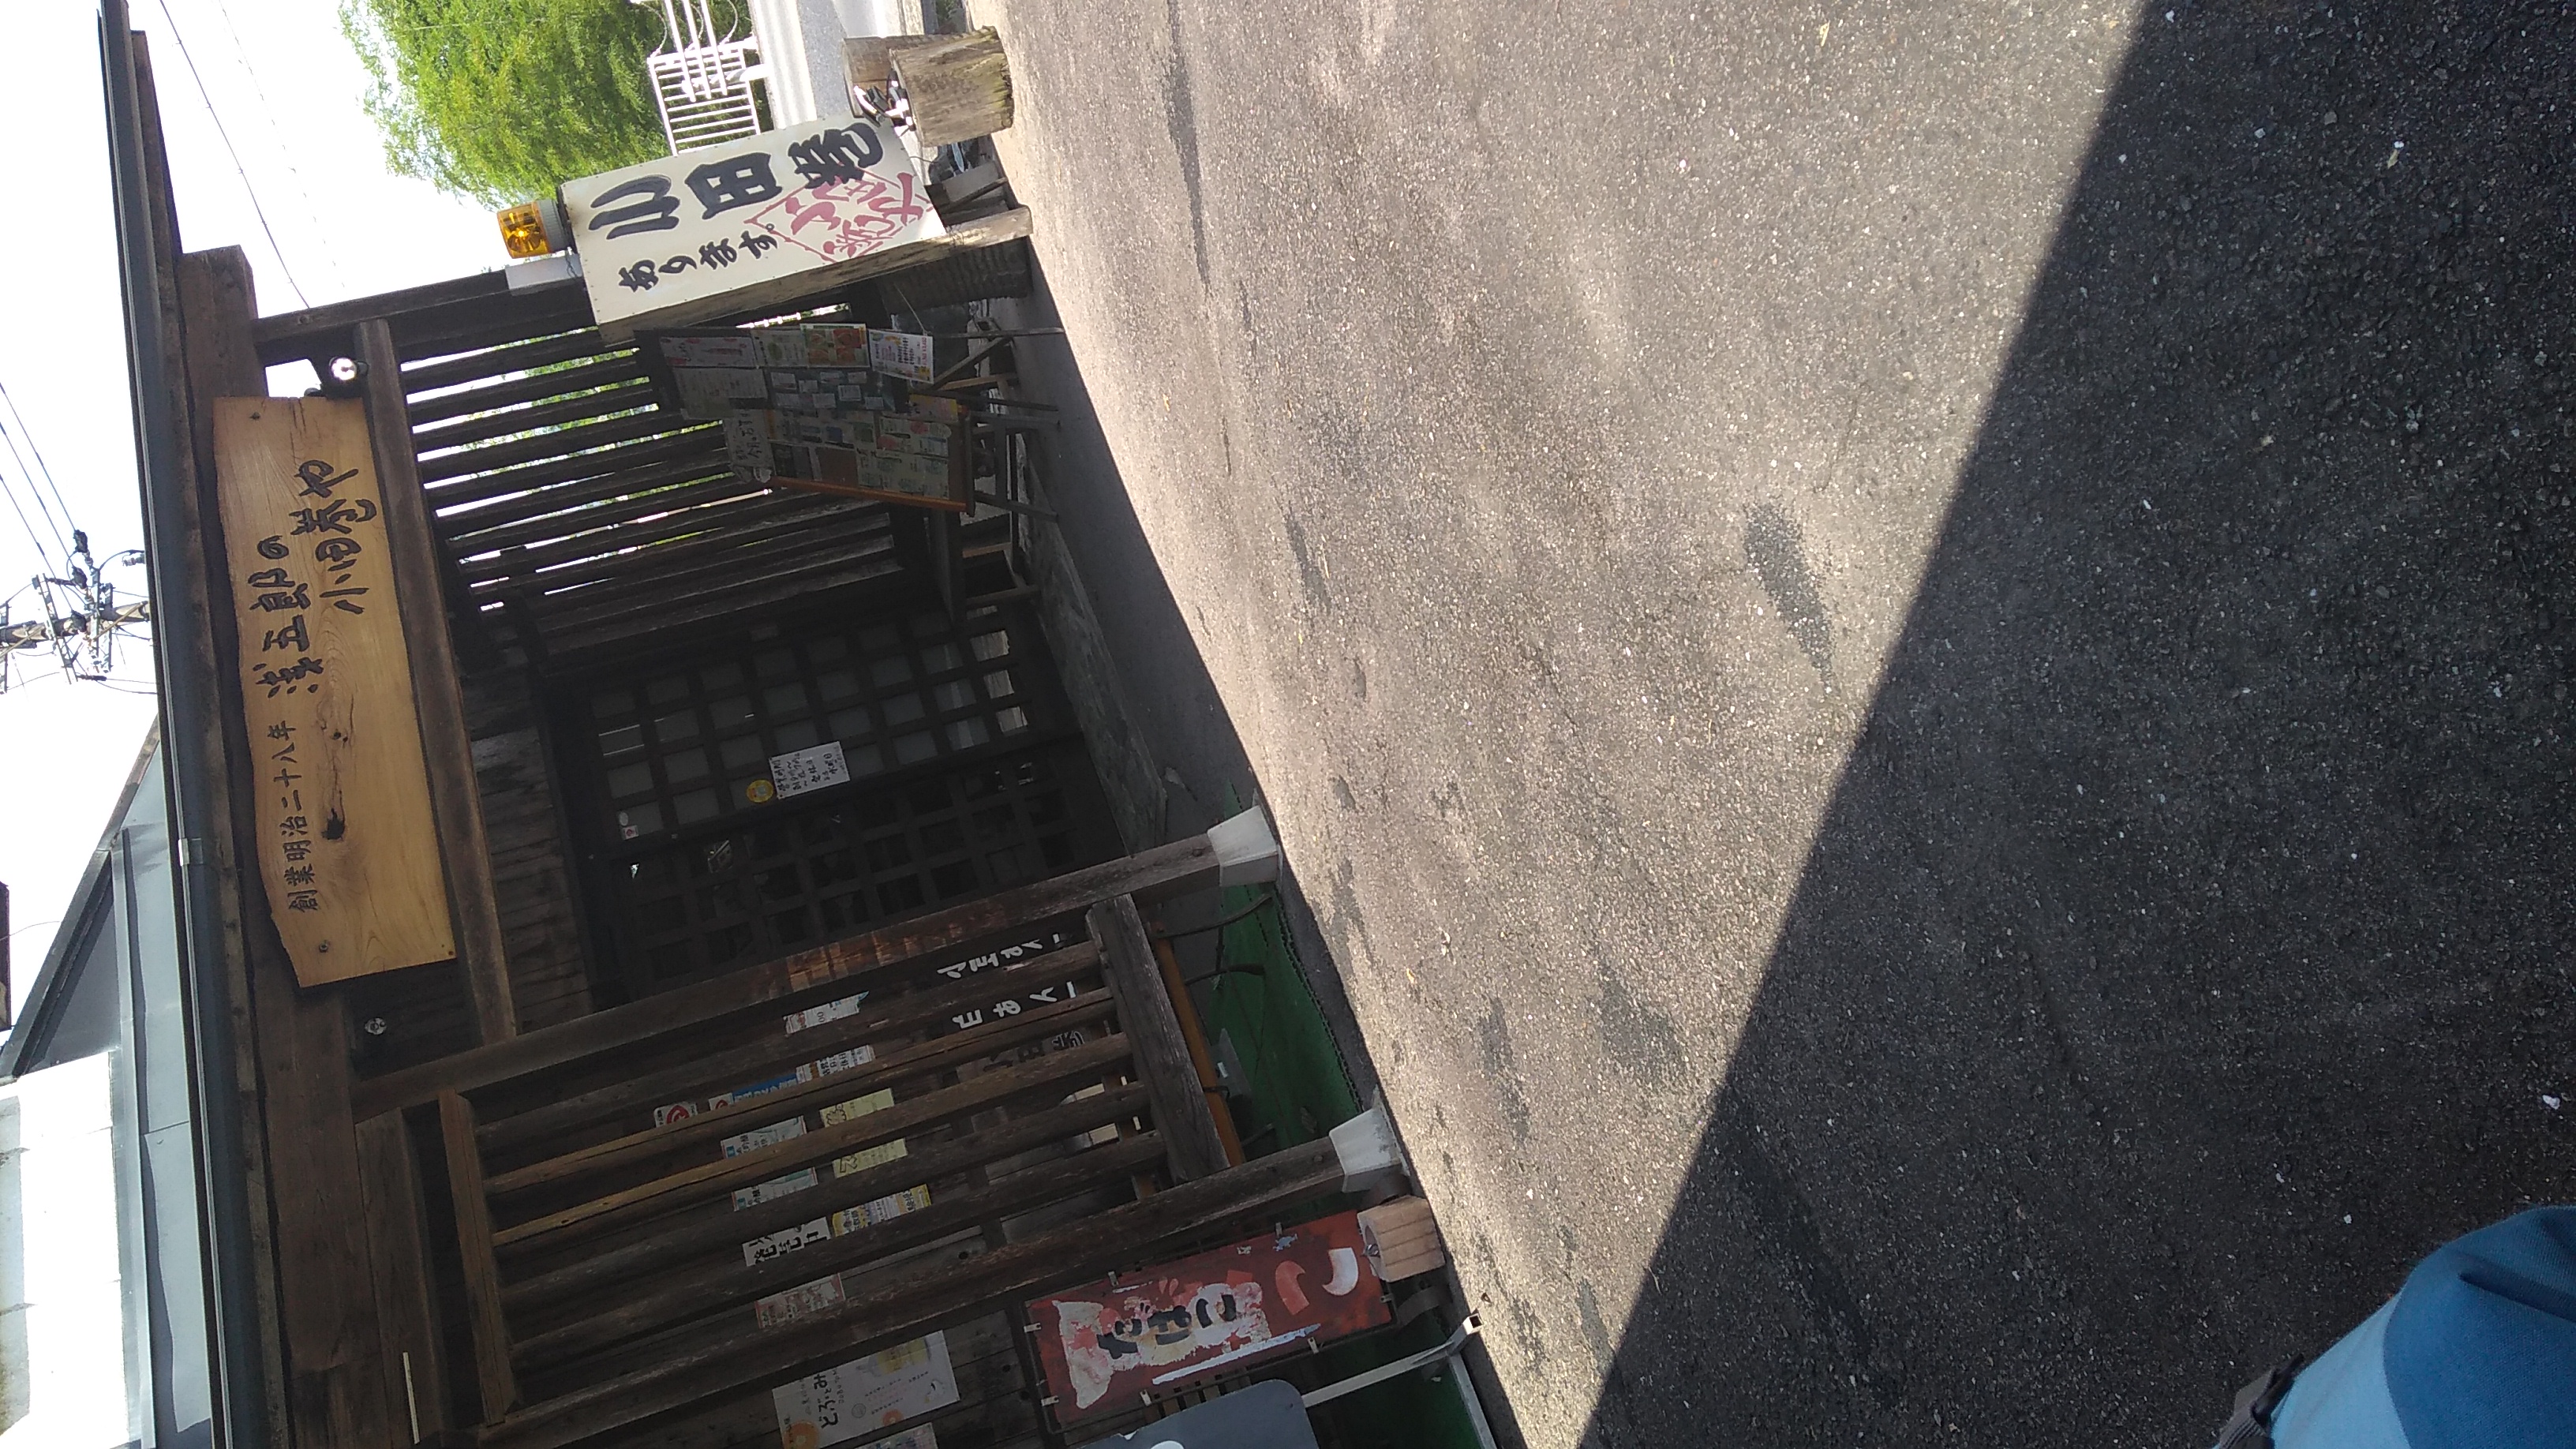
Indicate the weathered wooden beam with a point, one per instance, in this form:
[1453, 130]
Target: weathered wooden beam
[421, 377]
[455, 797]
[1162, 1052]
[788, 292]
[920, 1059]
[874, 1129]
[1166, 870]
[700, 439]
[716, 1071]
[723, 1283]
[210, 298]
[680, 491]
[460, 522]
[415, 1350]
[590, 436]
[905, 1304]
[483, 426]
[647, 1260]
[464, 314]
[488, 1328]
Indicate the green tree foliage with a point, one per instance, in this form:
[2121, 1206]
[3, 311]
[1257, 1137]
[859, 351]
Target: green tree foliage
[503, 100]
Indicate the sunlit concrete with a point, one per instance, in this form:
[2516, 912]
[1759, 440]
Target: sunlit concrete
[1542, 414]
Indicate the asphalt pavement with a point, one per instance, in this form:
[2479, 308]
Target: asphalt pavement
[1915, 657]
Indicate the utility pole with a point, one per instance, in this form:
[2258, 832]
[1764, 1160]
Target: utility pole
[81, 616]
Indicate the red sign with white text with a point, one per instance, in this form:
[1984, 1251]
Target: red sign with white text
[1148, 1333]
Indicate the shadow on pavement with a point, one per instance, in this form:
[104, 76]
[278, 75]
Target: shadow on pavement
[2186, 949]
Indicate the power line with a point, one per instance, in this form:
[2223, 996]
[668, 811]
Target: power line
[241, 52]
[30, 435]
[238, 169]
[11, 493]
[36, 494]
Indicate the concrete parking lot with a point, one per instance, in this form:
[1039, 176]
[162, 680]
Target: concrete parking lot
[1916, 657]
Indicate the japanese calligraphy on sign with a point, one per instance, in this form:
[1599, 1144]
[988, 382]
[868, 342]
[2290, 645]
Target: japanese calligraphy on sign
[1174, 1324]
[346, 844]
[721, 217]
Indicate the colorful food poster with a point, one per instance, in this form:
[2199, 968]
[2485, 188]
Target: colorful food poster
[836, 344]
[900, 354]
[1152, 1331]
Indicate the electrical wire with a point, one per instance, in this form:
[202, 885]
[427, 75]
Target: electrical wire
[41, 465]
[238, 169]
[312, 214]
[11, 493]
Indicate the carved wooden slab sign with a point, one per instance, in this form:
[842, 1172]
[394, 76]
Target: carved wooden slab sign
[346, 843]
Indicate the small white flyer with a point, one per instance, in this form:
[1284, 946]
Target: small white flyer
[900, 354]
[801, 770]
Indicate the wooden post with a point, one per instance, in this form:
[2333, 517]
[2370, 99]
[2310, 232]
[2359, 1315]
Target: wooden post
[489, 1330]
[1162, 1054]
[960, 87]
[407, 1314]
[456, 800]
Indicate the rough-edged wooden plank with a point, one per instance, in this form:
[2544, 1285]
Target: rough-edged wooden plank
[489, 1329]
[1165, 870]
[1162, 1052]
[716, 1179]
[904, 1304]
[800, 288]
[415, 1357]
[455, 796]
[724, 1283]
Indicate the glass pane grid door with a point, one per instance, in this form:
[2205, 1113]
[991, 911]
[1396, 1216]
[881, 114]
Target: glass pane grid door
[691, 745]
[961, 782]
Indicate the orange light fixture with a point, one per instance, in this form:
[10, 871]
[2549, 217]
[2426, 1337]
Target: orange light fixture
[532, 229]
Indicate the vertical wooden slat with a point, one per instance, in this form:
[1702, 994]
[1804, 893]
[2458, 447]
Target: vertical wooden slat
[414, 1356]
[456, 801]
[1162, 1053]
[1202, 1061]
[491, 1332]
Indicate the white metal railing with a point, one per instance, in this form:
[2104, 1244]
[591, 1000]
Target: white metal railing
[702, 78]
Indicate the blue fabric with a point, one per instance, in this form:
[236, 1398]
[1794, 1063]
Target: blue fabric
[2341, 1400]
[2480, 1348]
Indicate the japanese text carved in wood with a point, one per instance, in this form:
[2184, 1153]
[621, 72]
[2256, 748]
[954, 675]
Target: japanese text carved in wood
[346, 844]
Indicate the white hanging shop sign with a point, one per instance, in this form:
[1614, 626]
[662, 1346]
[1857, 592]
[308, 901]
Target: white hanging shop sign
[706, 222]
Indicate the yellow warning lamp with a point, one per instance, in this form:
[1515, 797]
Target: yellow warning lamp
[533, 229]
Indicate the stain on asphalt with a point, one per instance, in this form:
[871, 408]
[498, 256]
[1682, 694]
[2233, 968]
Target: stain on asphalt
[1529, 1330]
[1789, 1220]
[1180, 113]
[1502, 1067]
[1346, 926]
[1309, 570]
[1637, 1035]
[1777, 550]
[1342, 792]
[1595, 1332]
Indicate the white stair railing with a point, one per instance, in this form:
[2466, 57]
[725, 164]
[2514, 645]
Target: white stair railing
[702, 78]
